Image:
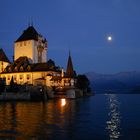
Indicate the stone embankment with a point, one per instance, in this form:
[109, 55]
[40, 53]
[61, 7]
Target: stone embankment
[10, 96]
[40, 93]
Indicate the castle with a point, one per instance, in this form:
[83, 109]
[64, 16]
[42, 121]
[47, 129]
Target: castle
[30, 65]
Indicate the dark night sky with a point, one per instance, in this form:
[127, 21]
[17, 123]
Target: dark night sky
[81, 26]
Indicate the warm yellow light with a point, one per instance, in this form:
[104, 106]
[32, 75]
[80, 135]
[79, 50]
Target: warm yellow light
[63, 102]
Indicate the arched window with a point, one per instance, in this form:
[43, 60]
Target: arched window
[29, 68]
[10, 69]
[21, 77]
[28, 77]
[16, 68]
[21, 68]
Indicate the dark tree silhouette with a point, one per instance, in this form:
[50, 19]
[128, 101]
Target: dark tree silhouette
[51, 63]
[2, 85]
[83, 82]
[13, 86]
[12, 82]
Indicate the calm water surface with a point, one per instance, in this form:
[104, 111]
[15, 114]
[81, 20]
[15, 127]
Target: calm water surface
[103, 116]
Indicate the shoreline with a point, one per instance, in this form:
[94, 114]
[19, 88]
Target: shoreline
[30, 96]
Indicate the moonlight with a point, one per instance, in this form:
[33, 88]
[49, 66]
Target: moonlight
[109, 38]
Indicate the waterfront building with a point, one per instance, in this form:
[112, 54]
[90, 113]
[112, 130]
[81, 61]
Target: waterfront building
[30, 65]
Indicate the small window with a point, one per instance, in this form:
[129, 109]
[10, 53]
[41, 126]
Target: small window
[29, 68]
[24, 43]
[9, 69]
[21, 68]
[20, 44]
[8, 77]
[15, 77]
[21, 77]
[28, 76]
[16, 68]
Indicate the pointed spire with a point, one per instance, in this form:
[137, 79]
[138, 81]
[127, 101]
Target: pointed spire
[69, 53]
[70, 70]
[30, 22]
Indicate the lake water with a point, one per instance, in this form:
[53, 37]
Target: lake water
[100, 117]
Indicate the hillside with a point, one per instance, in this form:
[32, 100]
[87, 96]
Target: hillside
[124, 82]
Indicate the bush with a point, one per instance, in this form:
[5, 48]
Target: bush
[82, 82]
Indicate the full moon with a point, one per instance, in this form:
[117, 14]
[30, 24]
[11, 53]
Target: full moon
[109, 38]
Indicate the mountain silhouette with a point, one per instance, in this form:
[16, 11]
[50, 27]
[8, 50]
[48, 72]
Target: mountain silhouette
[123, 82]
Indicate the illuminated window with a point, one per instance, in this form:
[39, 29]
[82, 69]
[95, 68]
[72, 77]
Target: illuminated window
[8, 77]
[10, 70]
[29, 68]
[28, 77]
[15, 77]
[21, 77]
[24, 43]
[21, 68]
[20, 44]
[16, 68]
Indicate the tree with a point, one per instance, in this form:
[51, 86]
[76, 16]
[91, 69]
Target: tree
[12, 82]
[83, 82]
[13, 86]
[51, 63]
[2, 85]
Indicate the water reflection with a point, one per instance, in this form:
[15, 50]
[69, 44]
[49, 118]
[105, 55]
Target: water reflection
[63, 102]
[113, 124]
[36, 120]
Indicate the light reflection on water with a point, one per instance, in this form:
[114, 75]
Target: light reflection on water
[114, 122]
[37, 120]
[95, 118]
[63, 102]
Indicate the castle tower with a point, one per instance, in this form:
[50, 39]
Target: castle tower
[4, 61]
[70, 71]
[32, 45]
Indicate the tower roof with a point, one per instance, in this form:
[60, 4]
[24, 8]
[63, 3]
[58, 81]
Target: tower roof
[29, 34]
[3, 56]
[70, 71]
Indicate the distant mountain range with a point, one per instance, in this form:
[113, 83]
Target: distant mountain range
[123, 82]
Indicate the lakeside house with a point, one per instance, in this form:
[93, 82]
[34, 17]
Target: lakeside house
[31, 67]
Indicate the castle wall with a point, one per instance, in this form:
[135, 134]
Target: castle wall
[24, 48]
[44, 55]
[29, 49]
[35, 52]
[28, 77]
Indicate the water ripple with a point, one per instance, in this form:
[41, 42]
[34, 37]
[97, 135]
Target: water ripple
[114, 122]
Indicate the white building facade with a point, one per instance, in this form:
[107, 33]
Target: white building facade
[32, 45]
